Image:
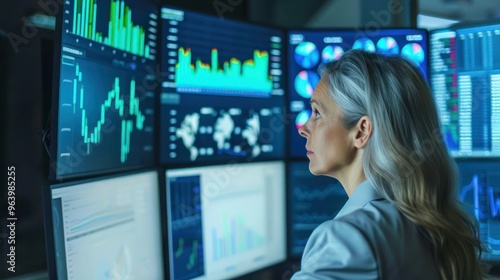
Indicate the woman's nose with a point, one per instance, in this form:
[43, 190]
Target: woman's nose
[303, 130]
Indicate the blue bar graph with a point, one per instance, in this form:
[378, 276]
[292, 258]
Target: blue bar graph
[185, 225]
[482, 199]
[236, 238]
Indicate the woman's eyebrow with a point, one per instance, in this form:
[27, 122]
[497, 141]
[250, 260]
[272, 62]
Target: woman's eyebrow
[316, 102]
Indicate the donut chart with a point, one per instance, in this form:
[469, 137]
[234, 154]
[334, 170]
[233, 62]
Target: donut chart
[364, 44]
[330, 53]
[413, 52]
[306, 55]
[387, 46]
[302, 118]
[305, 82]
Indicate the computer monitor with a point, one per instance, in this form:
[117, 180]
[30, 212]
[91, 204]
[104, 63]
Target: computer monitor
[307, 49]
[106, 228]
[312, 200]
[104, 87]
[226, 220]
[480, 193]
[465, 78]
[223, 90]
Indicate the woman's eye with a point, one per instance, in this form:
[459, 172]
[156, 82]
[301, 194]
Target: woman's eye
[316, 114]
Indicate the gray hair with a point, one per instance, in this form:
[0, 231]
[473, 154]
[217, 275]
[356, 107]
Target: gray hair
[406, 158]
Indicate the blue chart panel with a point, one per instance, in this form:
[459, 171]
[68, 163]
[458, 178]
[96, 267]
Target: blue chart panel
[331, 53]
[480, 192]
[185, 226]
[387, 46]
[307, 50]
[204, 55]
[364, 44]
[222, 131]
[307, 55]
[414, 53]
[305, 82]
[313, 200]
[106, 118]
[223, 91]
[302, 118]
[238, 238]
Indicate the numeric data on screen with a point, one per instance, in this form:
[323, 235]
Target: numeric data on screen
[466, 85]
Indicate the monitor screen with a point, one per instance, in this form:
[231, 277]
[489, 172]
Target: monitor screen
[225, 220]
[106, 228]
[103, 104]
[480, 193]
[309, 49]
[312, 200]
[465, 78]
[223, 90]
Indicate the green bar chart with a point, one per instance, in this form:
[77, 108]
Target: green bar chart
[248, 77]
[236, 237]
[122, 32]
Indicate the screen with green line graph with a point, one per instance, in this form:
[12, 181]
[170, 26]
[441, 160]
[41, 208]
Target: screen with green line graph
[222, 90]
[105, 101]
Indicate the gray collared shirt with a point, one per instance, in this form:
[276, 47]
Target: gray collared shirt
[368, 239]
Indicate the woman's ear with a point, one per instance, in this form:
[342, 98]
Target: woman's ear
[362, 132]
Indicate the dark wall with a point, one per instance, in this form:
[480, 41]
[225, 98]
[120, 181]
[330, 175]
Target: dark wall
[24, 112]
[232, 9]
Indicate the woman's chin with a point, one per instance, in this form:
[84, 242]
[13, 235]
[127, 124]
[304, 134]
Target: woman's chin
[314, 169]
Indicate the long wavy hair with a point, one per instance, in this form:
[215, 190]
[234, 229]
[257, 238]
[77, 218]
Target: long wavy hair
[406, 159]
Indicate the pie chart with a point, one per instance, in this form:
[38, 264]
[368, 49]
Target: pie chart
[306, 55]
[364, 44]
[305, 82]
[413, 52]
[302, 118]
[387, 46]
[330, 53]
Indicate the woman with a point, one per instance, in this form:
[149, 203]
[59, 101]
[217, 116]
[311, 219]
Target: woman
[375, 128]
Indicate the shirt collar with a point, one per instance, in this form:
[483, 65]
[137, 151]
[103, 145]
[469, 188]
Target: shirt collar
[364, 193]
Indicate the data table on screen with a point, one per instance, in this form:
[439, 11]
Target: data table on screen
[465, 79]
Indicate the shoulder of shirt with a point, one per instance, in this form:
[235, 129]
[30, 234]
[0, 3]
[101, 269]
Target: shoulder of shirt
[374, 214]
